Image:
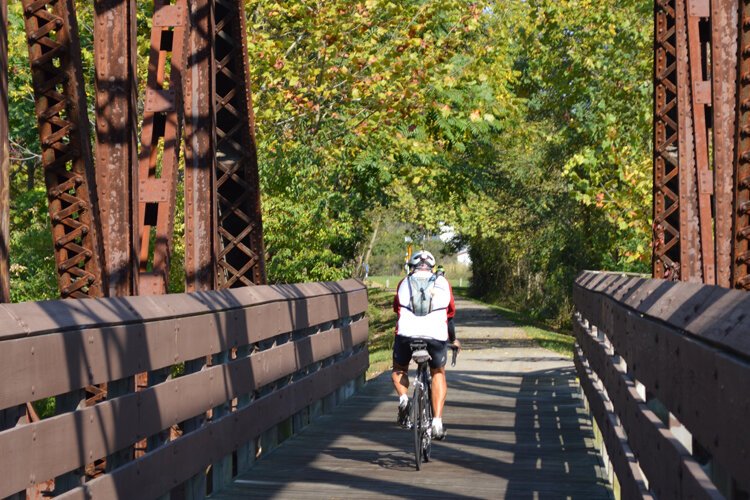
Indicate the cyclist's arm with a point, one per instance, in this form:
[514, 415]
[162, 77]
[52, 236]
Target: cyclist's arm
[451, 330]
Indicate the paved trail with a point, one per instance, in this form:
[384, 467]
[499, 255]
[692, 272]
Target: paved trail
[516, 429]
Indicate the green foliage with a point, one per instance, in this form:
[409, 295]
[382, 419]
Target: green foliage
[525, 125]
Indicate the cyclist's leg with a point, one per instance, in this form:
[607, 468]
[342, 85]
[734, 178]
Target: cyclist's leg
[439, 354]
[439, 391]
[401, 358]
[400, 376]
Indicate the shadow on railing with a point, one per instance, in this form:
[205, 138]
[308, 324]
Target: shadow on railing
[230, 374]
[665, 368]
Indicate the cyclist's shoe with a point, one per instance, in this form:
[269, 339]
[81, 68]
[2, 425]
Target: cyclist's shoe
[404, 411]
[438, 432]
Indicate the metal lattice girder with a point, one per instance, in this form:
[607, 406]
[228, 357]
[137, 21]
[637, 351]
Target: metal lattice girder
[55, 57]
[724, 76]
[116, 138]
[160, 138]
[666, 256]
[741, 250]
[200, 155]
[240, 231]
[4, 158]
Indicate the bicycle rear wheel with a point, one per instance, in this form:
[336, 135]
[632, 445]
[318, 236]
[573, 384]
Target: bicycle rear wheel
[417, 423]
[426, 433]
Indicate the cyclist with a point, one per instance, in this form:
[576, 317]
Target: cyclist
[424, 303]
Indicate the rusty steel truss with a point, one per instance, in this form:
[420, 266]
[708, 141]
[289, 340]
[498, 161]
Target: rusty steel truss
[701, 141]
[57, 75]
[113, 207]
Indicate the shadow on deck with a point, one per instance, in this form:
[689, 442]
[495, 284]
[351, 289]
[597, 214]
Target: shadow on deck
[516, 429]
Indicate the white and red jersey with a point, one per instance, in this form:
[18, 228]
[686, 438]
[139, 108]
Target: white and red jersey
[433, 325]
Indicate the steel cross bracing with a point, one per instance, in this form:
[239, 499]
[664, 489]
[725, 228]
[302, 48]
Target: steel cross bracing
[666, 256]
[57, 76]
[240, 231]
[701, 194]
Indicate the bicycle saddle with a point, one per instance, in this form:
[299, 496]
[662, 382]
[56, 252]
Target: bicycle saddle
[420, 356]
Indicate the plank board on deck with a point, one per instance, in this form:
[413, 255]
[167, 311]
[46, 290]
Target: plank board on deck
[516, 429]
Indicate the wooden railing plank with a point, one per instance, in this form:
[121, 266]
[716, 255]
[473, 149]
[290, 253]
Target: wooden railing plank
[631, 480]
[175, 462]
[41, 366]
[710, 313]
[688, 344]
[39, 318]
[68, 441]
[671, 470]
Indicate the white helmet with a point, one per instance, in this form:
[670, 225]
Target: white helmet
[422, 256]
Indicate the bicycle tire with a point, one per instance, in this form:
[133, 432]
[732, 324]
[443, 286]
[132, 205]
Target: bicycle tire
[427, 440]
[417, 424]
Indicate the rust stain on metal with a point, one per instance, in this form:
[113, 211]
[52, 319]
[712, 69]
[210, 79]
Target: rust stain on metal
[55, 57]
[724, 74]
[741, 207]
[160, 138]
[4, 158]
[240, 259]
[116, 139]
[705, 220]
[200, 156]
[690, 251]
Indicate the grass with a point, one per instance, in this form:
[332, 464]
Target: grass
[382, 322]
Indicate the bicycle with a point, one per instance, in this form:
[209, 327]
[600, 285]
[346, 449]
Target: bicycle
[421, 403]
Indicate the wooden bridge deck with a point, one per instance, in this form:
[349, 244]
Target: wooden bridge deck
[516, 429]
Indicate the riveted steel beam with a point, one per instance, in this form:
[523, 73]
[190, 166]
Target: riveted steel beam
[240, 259]
[741, 212]
[4, 158]
[159, 155]
[116, 138]
[724, 80]
[200, 154]
[700, 91]
[57, 76]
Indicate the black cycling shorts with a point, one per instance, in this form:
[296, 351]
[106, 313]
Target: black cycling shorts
[438, 350]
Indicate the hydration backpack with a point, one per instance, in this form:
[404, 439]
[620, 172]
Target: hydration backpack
[420, 294]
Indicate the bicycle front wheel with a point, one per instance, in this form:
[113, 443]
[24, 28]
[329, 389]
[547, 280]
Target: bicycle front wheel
[417, 403]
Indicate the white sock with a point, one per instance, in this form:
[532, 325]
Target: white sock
[437, 423]
[403, 400]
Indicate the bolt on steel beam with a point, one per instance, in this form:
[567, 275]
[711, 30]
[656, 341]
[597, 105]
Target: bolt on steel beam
[116, 155]
[4, 158]
[741, 207]
[240, 260]
[57, 76]
[160, 137]
[666, 253]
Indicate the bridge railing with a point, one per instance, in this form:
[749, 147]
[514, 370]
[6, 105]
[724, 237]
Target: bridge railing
[665, 368]
[223, 368]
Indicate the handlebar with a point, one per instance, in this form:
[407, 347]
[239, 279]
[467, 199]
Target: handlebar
[455, 353]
